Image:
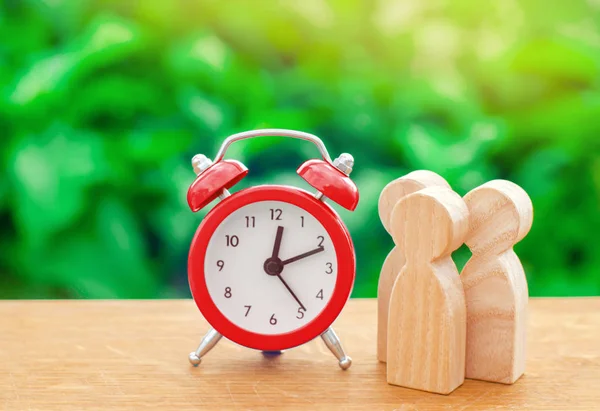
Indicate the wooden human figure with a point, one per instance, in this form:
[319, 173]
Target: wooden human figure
[391, 194]
[427, 314]
[495, 286]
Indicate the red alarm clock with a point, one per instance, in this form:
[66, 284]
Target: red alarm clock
[271, 267]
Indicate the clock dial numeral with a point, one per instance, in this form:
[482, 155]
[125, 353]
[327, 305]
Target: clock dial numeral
[301, 312]
[273, 320]
[329, 268]
[302, 221]
[247, 307]
[227, 292]
[250, 221]
[232, 240]
[220, 264]
[276, 214]
[320, 294]
[321, 240]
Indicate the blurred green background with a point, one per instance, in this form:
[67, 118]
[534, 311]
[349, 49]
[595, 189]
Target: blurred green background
[103, 104]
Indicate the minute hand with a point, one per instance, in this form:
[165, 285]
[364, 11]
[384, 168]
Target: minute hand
[301, 256]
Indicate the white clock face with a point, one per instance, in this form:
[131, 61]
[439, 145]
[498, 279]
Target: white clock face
[270, 267]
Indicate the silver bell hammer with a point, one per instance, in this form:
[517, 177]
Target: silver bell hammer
[200, 163]
[344, 163]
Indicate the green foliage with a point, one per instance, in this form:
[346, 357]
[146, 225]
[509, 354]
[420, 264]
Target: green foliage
[102, 105]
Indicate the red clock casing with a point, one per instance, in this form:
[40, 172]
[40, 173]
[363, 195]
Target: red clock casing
[346, 262]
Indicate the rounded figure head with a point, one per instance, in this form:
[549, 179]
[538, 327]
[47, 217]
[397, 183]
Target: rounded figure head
[430, 224]
[403, 186]
[501, 215]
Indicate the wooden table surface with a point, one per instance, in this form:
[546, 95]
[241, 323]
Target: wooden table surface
[132, 355]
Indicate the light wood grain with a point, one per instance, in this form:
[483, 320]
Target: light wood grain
[427, 314]
[132, 355]
[495, 285]
[390, 195]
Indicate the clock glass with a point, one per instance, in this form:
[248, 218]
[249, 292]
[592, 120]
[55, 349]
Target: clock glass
[270, 267]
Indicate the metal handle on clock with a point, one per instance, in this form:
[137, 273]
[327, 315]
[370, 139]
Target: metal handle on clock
[273, 132]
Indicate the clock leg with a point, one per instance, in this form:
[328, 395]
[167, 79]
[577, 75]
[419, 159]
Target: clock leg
[335, 346]
[272, 353]
[211, 339]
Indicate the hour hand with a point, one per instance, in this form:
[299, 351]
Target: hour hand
[277, 244]
[301, 256]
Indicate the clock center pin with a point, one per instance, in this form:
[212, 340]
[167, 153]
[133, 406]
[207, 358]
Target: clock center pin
[273, 266]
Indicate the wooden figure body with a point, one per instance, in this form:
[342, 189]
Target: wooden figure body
[391, 194]
[495, 286]
[427, 314]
